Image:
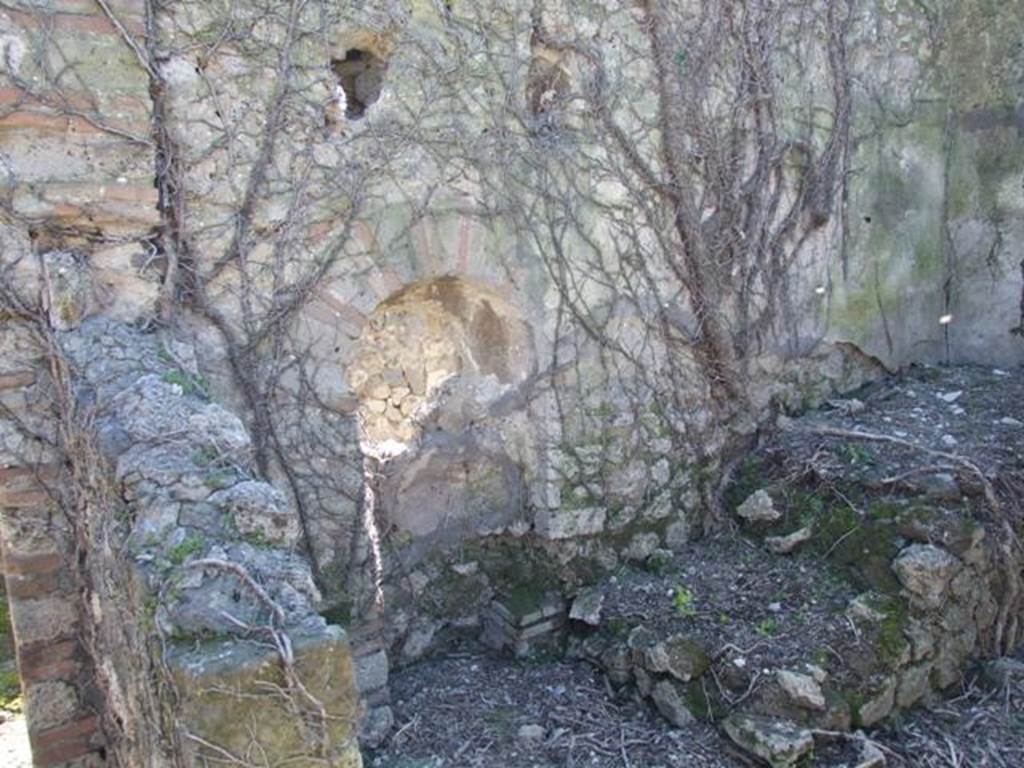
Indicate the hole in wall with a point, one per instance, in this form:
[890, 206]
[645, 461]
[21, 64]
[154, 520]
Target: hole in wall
[360, 75]
[547, 85]
[439, 372]
[434, 356]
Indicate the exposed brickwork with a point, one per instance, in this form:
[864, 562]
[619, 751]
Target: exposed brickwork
[59, 746]
[63, 727]
[103, 183]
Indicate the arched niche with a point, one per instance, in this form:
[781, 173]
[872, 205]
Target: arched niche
[441, 372]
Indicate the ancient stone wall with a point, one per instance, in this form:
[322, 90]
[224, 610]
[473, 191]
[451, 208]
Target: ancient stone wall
[319, 191]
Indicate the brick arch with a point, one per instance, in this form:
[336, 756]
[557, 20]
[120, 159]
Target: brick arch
[434, 247]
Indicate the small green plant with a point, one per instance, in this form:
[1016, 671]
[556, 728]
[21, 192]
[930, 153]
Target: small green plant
[618, 626]
[340, 614]
[217, 480]
[766, 627]
[683, 602]
[180, 553]
[857, 455]
[147, 621]
[206, 456]
[658, 563]
[258, 539]
[190, 385]
[10, 687]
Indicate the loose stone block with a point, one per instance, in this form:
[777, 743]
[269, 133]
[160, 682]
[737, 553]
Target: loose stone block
[803, 690]
[666, 697]
[925, 571]
[570, 523]
[759, 508]
[371, 671]
[780, 743]
[525, 627]
[228, 699]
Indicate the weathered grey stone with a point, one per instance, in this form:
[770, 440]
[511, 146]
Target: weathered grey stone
[759, 508]
[680, 656]
[43, 618]
[914, 685]
[784, 545]
[50, 704]
[642, 546]
[222, 689]
[778, 742]
[376, 726]
[371, 671]
[865, 608]
[587, 607]
[260, 511]
[802, 689]
[925, 571]
[670, 703]
[571, 523]
[877, 707]
[531, 732]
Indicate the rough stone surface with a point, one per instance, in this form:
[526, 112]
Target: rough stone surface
[759, 508]
[50, 704]
[781, 744]
[224, 688]
[877, 707]
[376, 726]
[784, 545]
[85, 174]
[926, 571]
[587, 607]
[666, 697]
[371, 671]
[531, 732]
[802, 689]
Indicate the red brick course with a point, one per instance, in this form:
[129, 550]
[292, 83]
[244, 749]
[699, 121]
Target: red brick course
[53, 661]
[56, 746]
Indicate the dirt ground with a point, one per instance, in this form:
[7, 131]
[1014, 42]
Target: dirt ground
[753, 611]
[472, 709]
[14, 749]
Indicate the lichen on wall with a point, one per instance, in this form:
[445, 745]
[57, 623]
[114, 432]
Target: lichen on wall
[936, 195]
